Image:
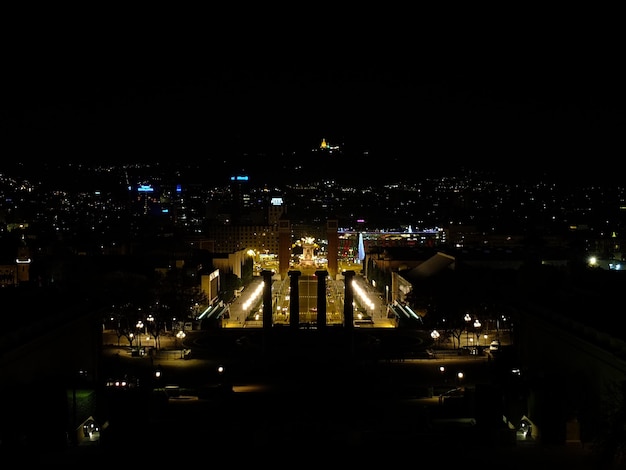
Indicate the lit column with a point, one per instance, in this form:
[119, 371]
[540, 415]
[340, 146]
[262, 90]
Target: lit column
[294, 300]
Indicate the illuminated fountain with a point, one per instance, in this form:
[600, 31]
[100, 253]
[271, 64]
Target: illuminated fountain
[308, 255]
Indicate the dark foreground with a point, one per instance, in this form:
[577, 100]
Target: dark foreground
[302, 404]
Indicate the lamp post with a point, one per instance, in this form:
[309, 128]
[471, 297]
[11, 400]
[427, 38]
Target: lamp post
[467, 319]
[150, 319]
[435, 336]
[181, 335]
[139, 327]
[477, 325]
[222, 385]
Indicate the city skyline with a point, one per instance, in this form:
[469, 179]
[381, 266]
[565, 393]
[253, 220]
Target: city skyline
[503, 131]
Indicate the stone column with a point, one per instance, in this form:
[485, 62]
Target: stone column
[294, 299]
[348, 298]
[267, 299]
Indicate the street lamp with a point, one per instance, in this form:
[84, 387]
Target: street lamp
[139, 327]
[467, 319]
[220, 377]
[477, 325]
[181, 335]
[150, 319]
[435, 336]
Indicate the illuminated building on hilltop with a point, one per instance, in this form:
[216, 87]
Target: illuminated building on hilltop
[325, 146]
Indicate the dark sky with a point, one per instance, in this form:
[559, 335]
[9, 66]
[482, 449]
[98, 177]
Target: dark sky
[504, 94]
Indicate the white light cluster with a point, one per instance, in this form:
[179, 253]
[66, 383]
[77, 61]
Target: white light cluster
[363, 297]
[254, 296]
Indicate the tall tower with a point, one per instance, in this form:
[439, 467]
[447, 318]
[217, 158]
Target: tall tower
[276, 210]
[284, 246]
[240, 197]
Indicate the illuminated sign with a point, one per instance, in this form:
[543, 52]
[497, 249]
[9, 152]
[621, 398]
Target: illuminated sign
[239, 178]
[145, 188]
[277, 201]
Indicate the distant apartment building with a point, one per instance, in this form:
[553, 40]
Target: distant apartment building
[250, 226]
[233, 238]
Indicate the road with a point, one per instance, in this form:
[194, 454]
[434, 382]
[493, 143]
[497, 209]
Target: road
[323, 408]
[283, 360]
[317, 400]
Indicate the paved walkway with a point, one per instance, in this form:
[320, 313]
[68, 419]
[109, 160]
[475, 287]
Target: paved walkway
[241, 307]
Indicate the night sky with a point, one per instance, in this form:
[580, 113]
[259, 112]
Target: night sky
[510, 94]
